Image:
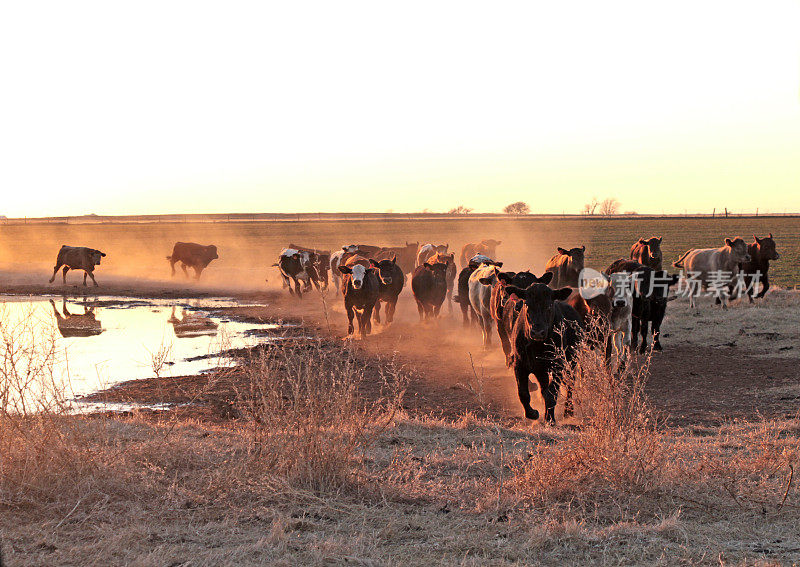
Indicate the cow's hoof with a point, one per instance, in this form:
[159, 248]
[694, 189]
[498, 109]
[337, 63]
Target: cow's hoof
[532, 414]
[657, 347]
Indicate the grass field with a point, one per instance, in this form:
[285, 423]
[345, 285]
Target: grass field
[247, 249]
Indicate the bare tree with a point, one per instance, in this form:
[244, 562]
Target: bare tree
[518, 208]
[460, 210]
[590, 207]
[609, 206]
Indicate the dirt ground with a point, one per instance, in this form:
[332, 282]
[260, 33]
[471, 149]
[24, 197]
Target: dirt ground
[700, 379]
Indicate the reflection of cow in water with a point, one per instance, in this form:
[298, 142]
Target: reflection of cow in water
[192, 325]
[74, 325]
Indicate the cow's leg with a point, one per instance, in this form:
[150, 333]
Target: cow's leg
[367, 321]
[634, 333]
[197, 272]
[464, 315]
[91, 275]
[486, 327]
[298, 290]
[643, 332]
[450, 301]
[185, 271]
[656, 324]
[764, 287]
[610, 345]
[421, 310]
[84, 277]
[172, 267]
[569, 407]
[55, 271]
[377, 311]
[350, 315]
[64, 274]
[550, 395]
[504, 342]
[521, 374]
[390, 307]
[435, 310]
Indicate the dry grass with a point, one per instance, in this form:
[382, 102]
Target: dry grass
[312, 474]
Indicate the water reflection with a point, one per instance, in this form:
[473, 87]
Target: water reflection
[75, 325]
[192, 325]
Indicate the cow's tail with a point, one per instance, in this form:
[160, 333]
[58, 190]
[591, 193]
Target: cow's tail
[679, 262]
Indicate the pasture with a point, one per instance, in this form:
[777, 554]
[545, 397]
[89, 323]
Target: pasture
[407, 447]
[247, 249]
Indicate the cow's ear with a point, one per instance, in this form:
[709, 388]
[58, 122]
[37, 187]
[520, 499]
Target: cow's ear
[344, 248]
[518, 291]
[498, 264]
[770, 235]
[660, 238]
[346, 269]
[505, 277]
[562, 294]
[642, 241]
[372, 263]
[103, 254]
[729, 242]
[486, 280]
[562, 251]
[546, 278]
[499, 242]
[394, 259]
[755, 238]
[583, 248]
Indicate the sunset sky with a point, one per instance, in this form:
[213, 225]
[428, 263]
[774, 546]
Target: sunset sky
[160, 107]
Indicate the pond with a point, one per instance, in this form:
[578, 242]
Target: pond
[56, 347]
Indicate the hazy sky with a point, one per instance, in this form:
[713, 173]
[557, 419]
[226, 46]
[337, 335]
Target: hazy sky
[152, 107]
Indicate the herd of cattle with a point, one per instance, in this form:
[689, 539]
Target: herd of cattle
[536, 318]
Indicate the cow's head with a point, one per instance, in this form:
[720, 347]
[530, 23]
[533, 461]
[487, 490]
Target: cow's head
[441, 248]
[576, 256]
[95, 256]
[439, 269]
[738, 248]
[479, 259]
[448, 259]
[766, 247]
[350, 248]
[412, 245]
[358, 274]
[385, 269]
[539, 307]
[620, 290]
[212, 252]
[653, 246]
[523, 279]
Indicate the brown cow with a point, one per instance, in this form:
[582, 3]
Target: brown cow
[77, 258]
[426, 251]
[648, 252]
[487, 247]
[191, 255]
[566, 267]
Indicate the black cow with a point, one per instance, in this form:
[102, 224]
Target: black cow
[77, 258]
[761, 251]
[500, 296]
[650, 290]
[192, 255]
[429, 284]
[360, 290]
[544, 338]
[390, 283]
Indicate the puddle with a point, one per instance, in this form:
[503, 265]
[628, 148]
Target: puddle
[50, 346]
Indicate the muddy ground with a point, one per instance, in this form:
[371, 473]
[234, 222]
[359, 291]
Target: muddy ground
[698, 380]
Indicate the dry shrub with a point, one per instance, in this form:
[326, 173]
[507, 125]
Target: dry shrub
[618, 445]
[622, 452]
[309, 423]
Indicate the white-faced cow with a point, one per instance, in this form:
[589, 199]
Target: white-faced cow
[566, 266]
[390, 283]
[545, 338]
[360, 291]
[320, 263]
[480, 294]
[77, 258]
[293, 266]
[192, 255]
[468, 314]
[648, 252]
[715, 269]
[429, 285]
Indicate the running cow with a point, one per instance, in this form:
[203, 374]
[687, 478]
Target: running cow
[390, 283]
[566, 266]
[714, 269]
[429, 285]
[648, 252]
[360, 290]
[293, 266]
[761, 251]
[487, 247]
[191, 255]
[77, 258]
